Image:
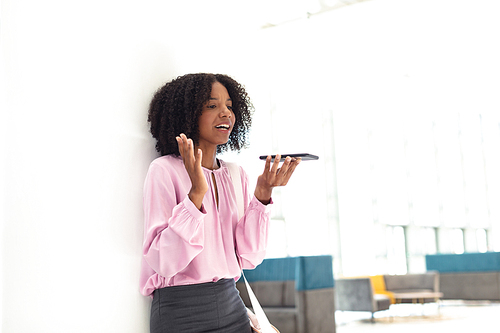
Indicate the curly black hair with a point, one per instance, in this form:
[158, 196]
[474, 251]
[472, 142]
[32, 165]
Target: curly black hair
[176, 107]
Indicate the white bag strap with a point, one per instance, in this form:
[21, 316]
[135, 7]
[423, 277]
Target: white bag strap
[234, 171]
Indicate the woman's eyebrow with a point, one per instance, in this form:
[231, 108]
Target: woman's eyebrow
[216, 99]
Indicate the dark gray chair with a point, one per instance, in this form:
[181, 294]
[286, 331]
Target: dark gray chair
[357, 295]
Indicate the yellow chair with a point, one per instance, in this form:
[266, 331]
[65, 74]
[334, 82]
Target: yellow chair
[378, 284]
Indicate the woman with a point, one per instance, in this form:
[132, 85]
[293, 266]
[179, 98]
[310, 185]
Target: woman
[193, 240]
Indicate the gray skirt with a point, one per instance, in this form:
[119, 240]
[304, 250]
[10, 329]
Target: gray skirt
[205, 307]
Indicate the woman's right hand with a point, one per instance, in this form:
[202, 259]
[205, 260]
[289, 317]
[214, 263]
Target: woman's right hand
[192, 163]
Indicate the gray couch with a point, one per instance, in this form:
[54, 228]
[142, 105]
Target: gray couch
[413, 283]
[467, 276]
[296, 293]
[357, 294]
[471, 286]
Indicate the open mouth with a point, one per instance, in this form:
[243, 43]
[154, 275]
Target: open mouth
[223, 127]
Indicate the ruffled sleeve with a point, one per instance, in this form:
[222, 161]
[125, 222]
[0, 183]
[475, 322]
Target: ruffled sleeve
[252, 230]
[174, 228]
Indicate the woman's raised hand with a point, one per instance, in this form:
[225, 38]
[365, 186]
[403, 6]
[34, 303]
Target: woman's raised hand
[274, 176]
[192, 163]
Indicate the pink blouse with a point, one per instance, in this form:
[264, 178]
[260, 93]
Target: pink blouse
[183, 245]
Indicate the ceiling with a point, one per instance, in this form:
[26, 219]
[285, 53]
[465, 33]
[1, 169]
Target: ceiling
[279, 12]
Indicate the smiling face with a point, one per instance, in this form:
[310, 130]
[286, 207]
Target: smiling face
[217, 118]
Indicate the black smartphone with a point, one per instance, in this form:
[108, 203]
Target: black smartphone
[304, 157]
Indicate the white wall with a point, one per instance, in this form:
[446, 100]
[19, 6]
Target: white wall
[77, 80]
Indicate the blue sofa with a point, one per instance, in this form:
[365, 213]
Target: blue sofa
[297, 293]
[468, 276]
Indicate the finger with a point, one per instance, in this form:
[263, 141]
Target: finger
[281, 172]
[290, 167]
[268, 164]
[187, 149]
[286, 164]
[198, 158]
[190, 157]
[180, 145]
[290, 171]
[276, 164]
[253, 319]
[183, 142]
[284, 167]
[272, 175]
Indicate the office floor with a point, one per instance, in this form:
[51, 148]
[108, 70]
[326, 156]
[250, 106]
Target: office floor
[450, 316]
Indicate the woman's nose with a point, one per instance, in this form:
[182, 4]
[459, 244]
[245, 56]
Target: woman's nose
[226, 112]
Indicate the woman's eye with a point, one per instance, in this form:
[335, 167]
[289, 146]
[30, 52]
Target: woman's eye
[230, 107]
[211, 106]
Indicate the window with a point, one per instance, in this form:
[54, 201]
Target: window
[396, 250]
[451, 241]
[481, 240]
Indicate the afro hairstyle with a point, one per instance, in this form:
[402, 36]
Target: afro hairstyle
[176, 107]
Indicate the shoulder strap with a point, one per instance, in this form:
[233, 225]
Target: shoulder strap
[234, 171]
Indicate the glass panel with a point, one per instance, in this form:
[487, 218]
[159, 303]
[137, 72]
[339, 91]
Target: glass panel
[389, 173]
[380, 234]
[421, 241]
[416, 264]
[396, 250]
[457, 241]
[491, 136]
[449, 160]
[482, 240]
[422, 173]
[451, 241]
[474, 171]
[470, 240]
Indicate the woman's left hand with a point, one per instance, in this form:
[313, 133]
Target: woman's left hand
[274, 176]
